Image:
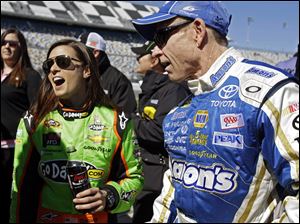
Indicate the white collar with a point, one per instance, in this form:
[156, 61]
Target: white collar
[217, 72]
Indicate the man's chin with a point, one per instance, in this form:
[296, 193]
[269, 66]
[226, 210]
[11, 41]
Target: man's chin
[175, 78]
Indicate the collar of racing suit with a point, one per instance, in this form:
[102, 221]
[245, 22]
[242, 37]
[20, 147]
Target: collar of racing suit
[71, 114]
[216, 73]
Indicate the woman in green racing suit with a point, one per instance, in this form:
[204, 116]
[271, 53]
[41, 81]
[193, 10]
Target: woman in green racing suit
[73, 120]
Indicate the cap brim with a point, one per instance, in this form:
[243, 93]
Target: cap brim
[147, 26]
[138, 50]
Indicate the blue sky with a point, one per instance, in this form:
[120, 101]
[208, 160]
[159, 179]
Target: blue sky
[275, 24]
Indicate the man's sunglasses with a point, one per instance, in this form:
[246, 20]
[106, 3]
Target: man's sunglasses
[162, 36]
[12, 43]
[62, 61]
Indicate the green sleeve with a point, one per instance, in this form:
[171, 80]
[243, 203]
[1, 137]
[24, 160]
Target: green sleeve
[25, 187]
[130, 181]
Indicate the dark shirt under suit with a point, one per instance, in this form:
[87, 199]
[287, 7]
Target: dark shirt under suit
[159, 95]
[14, 102]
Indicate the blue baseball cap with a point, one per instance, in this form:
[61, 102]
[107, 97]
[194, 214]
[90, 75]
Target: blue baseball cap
[212, 12]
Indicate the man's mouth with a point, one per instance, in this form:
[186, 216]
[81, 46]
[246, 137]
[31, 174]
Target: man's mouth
[165, 64]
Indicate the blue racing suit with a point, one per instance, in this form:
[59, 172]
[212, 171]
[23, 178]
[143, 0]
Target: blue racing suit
[232, 146]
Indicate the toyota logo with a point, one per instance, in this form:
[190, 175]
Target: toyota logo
[228, 91]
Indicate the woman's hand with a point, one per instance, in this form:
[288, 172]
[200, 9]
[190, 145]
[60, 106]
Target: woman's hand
[91, 200]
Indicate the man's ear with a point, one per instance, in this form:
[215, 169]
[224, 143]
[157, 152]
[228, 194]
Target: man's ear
[200, 31]
[86, 72]
[154, 61]
[96, 53]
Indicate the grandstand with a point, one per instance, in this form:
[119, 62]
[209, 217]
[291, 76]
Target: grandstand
[44, 22]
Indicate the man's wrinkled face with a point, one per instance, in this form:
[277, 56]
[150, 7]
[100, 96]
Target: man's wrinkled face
[177, 49]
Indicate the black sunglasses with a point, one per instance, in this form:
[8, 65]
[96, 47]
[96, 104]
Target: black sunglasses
[11, 43]
[62, 61]
[162, 36]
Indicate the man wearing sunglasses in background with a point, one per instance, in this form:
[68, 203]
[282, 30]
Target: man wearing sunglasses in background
[115, 84]
[237, 138]
[159, 95]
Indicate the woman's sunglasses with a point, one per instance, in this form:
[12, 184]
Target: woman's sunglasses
[12, 43]
[62, 61]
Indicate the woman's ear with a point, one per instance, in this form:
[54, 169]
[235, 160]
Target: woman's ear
[86, 72]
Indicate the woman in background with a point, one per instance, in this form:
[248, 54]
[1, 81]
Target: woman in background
[19, 85]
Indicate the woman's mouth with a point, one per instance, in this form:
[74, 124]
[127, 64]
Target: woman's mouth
[58, 81]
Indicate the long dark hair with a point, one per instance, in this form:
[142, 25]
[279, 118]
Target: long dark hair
[17, 75]
[47, 100]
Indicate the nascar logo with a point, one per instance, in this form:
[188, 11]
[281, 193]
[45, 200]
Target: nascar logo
[51, 123]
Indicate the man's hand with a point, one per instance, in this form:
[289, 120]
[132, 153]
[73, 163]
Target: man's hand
[91, 200]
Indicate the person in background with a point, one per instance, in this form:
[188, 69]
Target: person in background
[237, 138]
[159, 95]
[19, 85]
[289, 65]
[116, 85]
[73, 121]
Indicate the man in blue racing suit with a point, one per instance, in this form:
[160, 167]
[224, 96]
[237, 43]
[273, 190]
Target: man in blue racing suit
[234, 145]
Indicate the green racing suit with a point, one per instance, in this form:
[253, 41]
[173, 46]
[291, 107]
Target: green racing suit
[102, 138]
